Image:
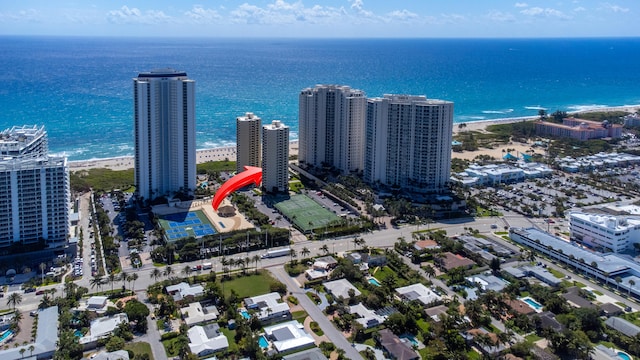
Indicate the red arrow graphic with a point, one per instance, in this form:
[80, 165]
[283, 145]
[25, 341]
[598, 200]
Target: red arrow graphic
[251, 174]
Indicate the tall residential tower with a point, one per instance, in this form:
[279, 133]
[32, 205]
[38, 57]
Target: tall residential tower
[275, 157]
[34, 190]
[165, 133]
[248, 141]
[408, 142]
[331, 129]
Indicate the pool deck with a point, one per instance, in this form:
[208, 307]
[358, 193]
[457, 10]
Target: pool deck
[231, 223]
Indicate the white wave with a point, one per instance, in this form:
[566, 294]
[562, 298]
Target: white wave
[586, 107]
[71, 153]
[466, 117]
[506, 111]
[535, 107]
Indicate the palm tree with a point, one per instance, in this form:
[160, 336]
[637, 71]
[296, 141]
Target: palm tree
[15, 321]
[292, 253]
[631, 284]
[186, 271]
[96, 281]
[31, 348]
[133, 278]
[305, 252]
[325, 249]
[430, 271]
[112, 279]
[22, 351]
[155, 274]
[168, 271]
[123, 277]
[14, 300]
[618, 281]
[256, 258]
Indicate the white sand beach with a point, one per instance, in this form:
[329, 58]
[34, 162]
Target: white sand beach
[229, 152]
[202, 156]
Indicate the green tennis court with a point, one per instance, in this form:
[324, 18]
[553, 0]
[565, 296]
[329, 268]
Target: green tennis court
[305, 213]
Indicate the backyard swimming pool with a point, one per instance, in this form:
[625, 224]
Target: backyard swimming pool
[534, 304]
[623, 355]
[262, 341]
[245, 314]
[374, 281]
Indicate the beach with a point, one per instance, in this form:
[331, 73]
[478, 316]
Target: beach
[229, 152]
[202, 156]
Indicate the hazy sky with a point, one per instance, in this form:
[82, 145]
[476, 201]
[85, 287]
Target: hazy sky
[322, 18]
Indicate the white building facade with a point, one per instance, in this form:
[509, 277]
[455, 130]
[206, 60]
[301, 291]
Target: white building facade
[24, 141]
[34, 190]
[248, 141]
[605, 232]
[331, 127]
[408, 142]
[275, 157]
[165, 133]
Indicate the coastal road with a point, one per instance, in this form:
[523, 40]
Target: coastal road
[312, 310]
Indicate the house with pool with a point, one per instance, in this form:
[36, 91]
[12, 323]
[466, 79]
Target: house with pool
[268, 308]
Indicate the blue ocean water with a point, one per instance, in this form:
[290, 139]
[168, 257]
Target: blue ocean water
[81, 88]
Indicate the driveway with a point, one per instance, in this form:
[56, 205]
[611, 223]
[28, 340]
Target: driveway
[314, 312]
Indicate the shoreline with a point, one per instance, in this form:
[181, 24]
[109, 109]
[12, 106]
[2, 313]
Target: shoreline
[229, 152]
[126, 162]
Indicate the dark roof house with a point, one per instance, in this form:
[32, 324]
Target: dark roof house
[396, 348]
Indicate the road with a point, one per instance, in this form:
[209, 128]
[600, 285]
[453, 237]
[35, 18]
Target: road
[312, 310]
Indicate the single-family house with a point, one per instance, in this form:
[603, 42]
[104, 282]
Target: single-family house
[451, 261]
[395, 347]
[288, 336]
[184, 290]
[340, 288]
[207, 339]
[269, 307]
[367, 318]
[418, 292]
[195, 313]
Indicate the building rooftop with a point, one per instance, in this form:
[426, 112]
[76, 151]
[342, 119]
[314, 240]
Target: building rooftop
[368, 318]
[206, 339]
[311, 354]
[623, 326]
[418, 292]
[397, 348]
[608, 263]
[269, 305]
[195, 313]
[288, 336]
[340, 288]
[182, 290]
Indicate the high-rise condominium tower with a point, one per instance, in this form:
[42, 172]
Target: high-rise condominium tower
[248, 141]
[331, 129]
[165, 133]
[34, 190]
[275, 157]
[408, 142]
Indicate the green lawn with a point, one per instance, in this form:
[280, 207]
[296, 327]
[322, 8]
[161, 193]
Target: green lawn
[139, 348]
[247, 286]
[556, 273]
[384, 272]
[216, 166]
[231, 336]
[424, 326]
[169, 347]
[299, 316]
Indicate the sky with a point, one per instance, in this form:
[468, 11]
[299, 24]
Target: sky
[322, 18]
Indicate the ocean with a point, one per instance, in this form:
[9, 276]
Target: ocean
[80, 88]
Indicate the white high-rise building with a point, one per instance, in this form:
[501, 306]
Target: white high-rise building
[165, 133]
[275, 157]
[248, 141]
[34, 190]
[24, 141]
[332, 127]
[408, 142]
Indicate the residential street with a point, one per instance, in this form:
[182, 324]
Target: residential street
[330, 331]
